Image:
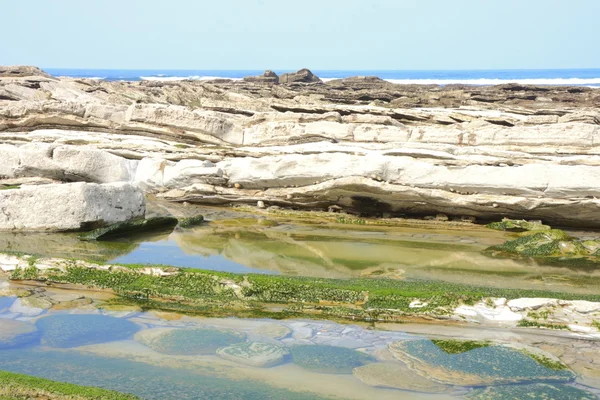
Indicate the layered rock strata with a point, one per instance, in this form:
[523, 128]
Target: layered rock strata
[362, 143]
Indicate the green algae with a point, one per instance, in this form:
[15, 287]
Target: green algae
[491, 364]
[191, 221]
[547, 362]
[357, 298]
[458, 346]
[536, 391]
[513, 225]
[526, 323]
[328, 359]
[23, 387]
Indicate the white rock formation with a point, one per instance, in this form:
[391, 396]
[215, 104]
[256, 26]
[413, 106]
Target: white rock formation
[69, 207]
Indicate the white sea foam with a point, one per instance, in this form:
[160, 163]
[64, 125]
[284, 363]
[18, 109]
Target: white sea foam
[484, 81]
[183, 78]
[97, 78]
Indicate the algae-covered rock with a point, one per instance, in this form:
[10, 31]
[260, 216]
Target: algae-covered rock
[537, 391]
[256, 354]
[550, 243]
[16, 333]
[481, 366]
[191, 221]
[72, 330]
[195, 341]
[396, 376]
[514, 225]
[131, 227]
[328, 359]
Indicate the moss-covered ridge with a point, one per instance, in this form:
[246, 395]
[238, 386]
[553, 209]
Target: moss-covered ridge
[196, 290]
[17, 386]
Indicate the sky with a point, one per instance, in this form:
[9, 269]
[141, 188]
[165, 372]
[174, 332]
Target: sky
[292, 34]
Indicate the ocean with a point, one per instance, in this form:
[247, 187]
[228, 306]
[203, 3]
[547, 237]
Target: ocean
[575, 77]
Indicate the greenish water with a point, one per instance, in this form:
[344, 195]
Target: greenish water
[323, 250]
[170, 356]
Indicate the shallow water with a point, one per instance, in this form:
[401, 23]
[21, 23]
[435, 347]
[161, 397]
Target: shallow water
[251, 245]
[133, 353]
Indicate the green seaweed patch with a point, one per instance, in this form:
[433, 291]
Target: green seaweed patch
[546, 361]
[526, 323]
[514, 225]
[9, 187]
[196, 341]
[15, 386]
[459, 346]
[550, 243]
[191, 221]
[536, 391]
[73, 330]
[328, 359]
[485, 365]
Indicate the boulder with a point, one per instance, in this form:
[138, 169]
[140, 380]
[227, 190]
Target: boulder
[269, 77]
[16, 333]
[69, 207]
[256, 354]
[302, 76]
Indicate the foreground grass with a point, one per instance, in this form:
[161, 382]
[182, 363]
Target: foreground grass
[194, 290]
[17, 386]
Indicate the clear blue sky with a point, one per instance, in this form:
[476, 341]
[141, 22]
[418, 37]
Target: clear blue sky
[290, 34]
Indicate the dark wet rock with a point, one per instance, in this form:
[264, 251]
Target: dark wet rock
[268, 77]
[256, 354]
[131, 227]
[302, 76]
[189, 341]
[328, 359]
[514, 225]
[21, 71]
[489, 365]
[79, 330]
[191, 221]
[17, 333]
[538, 391]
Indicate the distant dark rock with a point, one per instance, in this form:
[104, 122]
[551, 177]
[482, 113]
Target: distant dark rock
[20, 71]
[302, 76]
[268, 77]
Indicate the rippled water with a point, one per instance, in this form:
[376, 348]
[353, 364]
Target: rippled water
[164, 355]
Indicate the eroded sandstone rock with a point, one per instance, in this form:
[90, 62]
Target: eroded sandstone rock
[69, 207]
